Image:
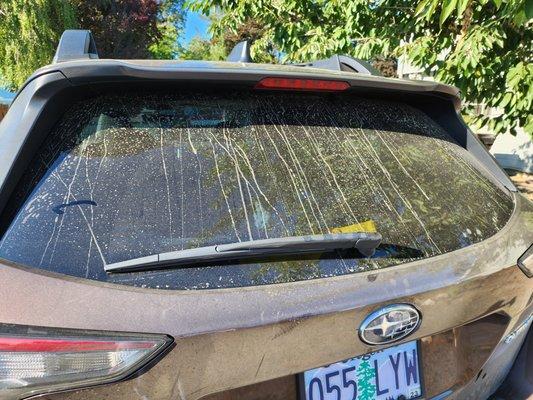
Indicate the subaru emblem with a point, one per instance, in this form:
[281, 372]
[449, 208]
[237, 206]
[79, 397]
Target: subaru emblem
[389, 324]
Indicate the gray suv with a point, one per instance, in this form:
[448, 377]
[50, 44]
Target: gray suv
[231, 230]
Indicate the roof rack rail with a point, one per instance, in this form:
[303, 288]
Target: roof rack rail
[342, 63]
[241, 52]
[76, 44]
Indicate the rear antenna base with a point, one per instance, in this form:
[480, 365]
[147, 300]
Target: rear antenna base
[241, 52]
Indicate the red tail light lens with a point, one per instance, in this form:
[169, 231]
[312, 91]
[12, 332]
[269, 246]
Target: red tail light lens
[34, 365]
[302, 84]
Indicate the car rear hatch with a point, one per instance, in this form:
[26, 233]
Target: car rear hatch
[129, 166]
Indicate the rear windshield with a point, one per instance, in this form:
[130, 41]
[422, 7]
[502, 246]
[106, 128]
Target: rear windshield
[126, 176]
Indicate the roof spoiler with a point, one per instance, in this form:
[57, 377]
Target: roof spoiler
[76, 44]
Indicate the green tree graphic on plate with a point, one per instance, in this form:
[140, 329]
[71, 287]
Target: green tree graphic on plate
[365, 378]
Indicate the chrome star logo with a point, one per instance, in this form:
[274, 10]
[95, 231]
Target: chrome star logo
[389, 324]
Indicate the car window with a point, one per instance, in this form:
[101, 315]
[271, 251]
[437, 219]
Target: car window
[125, 176]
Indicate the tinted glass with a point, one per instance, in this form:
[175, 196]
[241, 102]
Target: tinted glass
[125, 176]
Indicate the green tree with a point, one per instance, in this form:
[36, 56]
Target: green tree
[203, 49]
[170, 23]
[484, 47]
[220, 44]
[212, 49]
[366, 374]
[122, 28]
[29, 33]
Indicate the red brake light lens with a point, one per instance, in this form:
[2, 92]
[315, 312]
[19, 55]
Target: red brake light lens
[302, 84]
[55, 345]
[34, 365]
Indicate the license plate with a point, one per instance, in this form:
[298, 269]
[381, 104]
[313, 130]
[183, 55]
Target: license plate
[383, 375]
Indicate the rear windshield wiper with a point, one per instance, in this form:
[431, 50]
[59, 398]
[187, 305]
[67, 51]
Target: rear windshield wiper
[364, 242]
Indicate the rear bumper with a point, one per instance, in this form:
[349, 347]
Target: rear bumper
[470, 301]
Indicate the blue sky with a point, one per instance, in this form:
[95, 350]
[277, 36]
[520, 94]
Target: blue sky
[195, 25]
[5, 96]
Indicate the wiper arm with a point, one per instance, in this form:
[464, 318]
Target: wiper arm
[365, 242]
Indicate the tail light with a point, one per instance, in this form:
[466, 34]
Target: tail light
[302, 84]
[39, 361]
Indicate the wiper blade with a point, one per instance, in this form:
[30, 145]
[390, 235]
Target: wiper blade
[365, 242]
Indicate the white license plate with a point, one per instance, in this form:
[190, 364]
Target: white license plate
[383, 375]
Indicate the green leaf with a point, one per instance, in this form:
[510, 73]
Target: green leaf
[528, 7]
[447, 8]
[426, 8]
[506, 99]
[421, 7]
[461, 7]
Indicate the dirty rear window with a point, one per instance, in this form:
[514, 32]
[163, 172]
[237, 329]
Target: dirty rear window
[125, 176]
